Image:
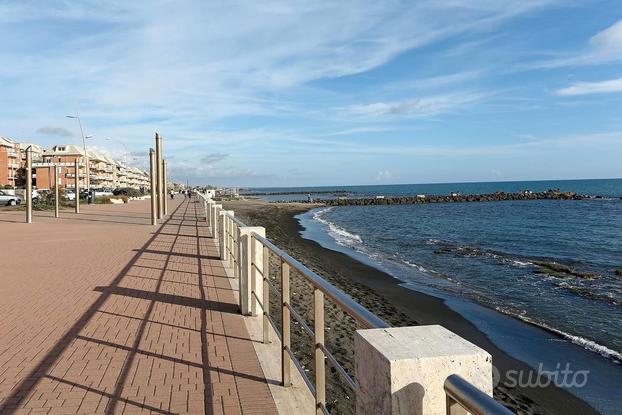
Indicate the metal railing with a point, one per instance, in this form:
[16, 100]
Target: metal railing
[463, 398]
[321, 288]
[461, 395]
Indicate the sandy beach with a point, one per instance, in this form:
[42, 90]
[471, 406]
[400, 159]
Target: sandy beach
[381, 294]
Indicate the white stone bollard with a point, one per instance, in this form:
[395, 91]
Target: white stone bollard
[401, 370]
[223, 228]
[214, 220]
[246, 274]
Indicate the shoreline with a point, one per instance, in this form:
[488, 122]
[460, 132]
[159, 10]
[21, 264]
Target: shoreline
[384, 295]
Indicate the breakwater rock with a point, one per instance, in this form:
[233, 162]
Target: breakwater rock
[453, 198]
[299, 192]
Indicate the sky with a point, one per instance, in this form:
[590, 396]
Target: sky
[322, 92]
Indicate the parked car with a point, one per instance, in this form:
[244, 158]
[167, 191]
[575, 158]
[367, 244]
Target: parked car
[9, 200]
[70, 195]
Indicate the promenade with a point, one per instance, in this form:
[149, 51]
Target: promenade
[103, 313]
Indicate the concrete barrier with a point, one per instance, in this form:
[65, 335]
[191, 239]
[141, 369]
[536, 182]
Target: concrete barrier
[402, 370]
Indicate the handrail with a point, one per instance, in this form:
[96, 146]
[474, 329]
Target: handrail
[354, 309]
[462, 394]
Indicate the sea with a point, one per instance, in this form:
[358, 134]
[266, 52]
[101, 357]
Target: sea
[538, 277]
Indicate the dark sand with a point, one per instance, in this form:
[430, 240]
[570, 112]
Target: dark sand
[381, 293]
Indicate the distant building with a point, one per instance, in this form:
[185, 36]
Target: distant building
[104, 172]
[9, 161]
[64, 155]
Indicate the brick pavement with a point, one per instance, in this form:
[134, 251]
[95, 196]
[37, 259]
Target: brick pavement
[102, 314]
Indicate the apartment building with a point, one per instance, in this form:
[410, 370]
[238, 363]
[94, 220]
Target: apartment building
[9, 161]
[104, 172]
[64, 156]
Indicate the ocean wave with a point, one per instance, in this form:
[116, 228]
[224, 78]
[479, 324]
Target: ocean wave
[338, 233]
[587, 344]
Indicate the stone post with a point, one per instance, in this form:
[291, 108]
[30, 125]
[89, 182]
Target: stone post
[250, 279]
[165, 186]
[77, 184]
[159, 180]
[222, 228]
[56, 193]
[153, 183]
[402, 370]
[216, 220]
[29, 184]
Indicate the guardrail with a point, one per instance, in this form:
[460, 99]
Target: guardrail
[461, 396]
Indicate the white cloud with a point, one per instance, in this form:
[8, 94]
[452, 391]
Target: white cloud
[585, 88]
[206, 60]
[603, 47]
[419, 107]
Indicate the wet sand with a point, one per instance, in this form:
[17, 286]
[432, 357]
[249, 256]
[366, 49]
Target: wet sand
[382, 294]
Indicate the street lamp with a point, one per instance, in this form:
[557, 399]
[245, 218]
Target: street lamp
[86, 155]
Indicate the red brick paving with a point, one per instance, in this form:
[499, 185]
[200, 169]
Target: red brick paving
[102, 314]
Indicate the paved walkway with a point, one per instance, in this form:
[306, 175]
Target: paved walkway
[102, 314]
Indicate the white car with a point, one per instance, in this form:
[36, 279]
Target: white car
[9, 200]
[69, 195]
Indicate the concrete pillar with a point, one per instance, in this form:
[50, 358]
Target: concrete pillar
[165, 186]
[153, 180]
[77, 182]
[29, 184]
[217, 224]
[250, 279]
[56, 193]
[222, 228]
[402, 370]
[159, 180]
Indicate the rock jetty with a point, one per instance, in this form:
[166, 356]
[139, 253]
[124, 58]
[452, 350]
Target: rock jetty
[453, 198]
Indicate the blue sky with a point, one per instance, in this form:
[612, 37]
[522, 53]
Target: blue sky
[322, 92]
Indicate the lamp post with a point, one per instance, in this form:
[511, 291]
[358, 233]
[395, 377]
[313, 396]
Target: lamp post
[86, 155]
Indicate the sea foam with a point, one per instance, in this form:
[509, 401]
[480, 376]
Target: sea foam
[339, 234]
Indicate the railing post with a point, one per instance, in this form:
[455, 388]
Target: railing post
[251, 259]
[285, 327]
[266, 295]
[402, 370]
[217, 227]
[320, 375]
[224, 234]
